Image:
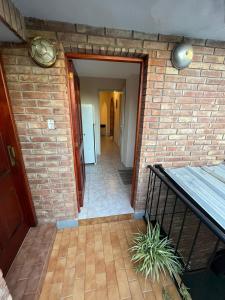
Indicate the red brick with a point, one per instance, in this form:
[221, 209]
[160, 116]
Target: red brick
[157, 62]
[209, 73]
[213, 59]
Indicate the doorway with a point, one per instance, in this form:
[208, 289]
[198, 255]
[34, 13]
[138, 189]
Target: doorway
[106, 177]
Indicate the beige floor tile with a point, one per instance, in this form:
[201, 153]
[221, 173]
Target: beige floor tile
[91, 295]
[90, 279]
[131, 274]
[80, 265]
[146, 284]
[111, 274]
[102, 294]
[123, 285]
[100, 281]
[55, 291]
[149, 295]
[79, 289]
[135, 290]
[113, 292]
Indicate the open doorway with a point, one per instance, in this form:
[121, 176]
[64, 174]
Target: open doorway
[109, 99]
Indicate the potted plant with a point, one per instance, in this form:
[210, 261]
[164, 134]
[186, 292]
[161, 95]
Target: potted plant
[154, 255]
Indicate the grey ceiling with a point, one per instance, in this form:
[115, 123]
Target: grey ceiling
[194, 18]
[6, 35]
[103, 69]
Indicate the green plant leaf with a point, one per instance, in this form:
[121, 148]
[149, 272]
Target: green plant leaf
[153, 254]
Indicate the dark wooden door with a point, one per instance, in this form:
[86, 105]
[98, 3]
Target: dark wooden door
[16, 209]
[78, 145]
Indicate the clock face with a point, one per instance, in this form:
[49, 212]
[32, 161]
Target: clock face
[43, 52]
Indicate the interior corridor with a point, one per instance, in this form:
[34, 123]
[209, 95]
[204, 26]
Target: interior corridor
[105, 192]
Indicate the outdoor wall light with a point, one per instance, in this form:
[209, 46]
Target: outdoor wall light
[182, 56]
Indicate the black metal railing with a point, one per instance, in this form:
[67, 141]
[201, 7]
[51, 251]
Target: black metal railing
[195, 236]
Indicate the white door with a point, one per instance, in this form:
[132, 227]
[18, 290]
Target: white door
[88, 133]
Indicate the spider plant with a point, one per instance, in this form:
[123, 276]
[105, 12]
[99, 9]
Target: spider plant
[154, 255]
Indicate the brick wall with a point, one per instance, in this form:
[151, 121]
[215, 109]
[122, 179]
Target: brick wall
[4, 292]
[182, 118]
[39, 94]
[12, 17]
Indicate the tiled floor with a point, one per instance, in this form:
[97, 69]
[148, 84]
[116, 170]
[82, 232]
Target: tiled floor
[105, 193]
[27, 272]
[92, 262]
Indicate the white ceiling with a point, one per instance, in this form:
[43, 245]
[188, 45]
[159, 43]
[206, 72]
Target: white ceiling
[6, 35]
[194, 18]
[104, 69]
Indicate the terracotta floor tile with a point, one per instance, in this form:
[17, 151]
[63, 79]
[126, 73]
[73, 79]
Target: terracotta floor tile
[100, 281]
[149, 295]
[67, 290]
[91, 295]
[157, 288]
[90, 280]
[55, 291]
[123, 285]
[135, 290]
[99, 262]
[131, 274]
[79, 289]
[45, 292]
[113, 292]
[80, 265]
[102, 294]
[111, 274]
[146, 284]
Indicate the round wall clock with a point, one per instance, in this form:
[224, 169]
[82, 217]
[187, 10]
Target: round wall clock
[43, 52]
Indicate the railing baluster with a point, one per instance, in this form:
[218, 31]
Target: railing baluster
[151, 195]
[159, 194]
[171, 222]
[181, 229]
[214, 252]
[164, 209]
[148, 191]
[193, 245]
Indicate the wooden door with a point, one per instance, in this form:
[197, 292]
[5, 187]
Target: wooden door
[78, 145]
[112, 116]
[16, 209]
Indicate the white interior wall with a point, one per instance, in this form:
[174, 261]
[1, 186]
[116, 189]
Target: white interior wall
[89, 92]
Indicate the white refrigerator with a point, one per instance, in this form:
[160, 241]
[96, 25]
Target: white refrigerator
[88, 125]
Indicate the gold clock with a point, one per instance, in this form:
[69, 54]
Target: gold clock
[43, 51]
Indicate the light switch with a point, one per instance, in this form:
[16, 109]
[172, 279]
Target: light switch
[51, 124]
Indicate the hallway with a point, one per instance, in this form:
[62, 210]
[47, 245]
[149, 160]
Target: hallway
[105, 193]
